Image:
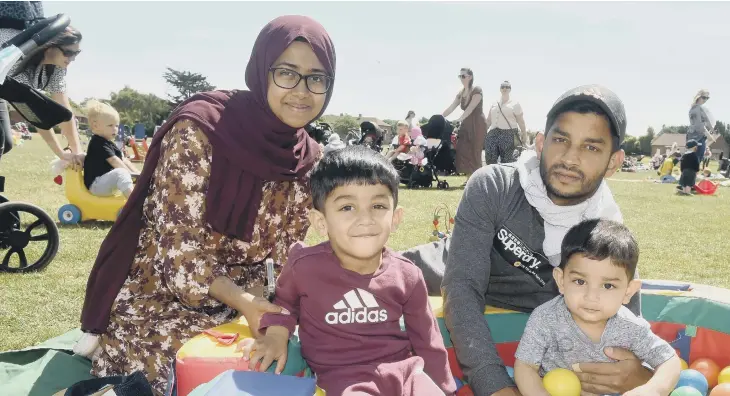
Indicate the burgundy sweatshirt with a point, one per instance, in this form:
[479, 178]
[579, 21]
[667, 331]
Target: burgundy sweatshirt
[346, 318]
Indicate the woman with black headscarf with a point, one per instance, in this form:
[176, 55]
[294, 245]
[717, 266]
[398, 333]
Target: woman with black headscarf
[224, 187]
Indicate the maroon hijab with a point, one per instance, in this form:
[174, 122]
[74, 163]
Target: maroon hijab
[250, 146]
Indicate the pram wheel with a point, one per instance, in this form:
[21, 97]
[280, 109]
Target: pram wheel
[443, 185]
[39, 229]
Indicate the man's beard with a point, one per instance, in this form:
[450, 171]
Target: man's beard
[588, 186]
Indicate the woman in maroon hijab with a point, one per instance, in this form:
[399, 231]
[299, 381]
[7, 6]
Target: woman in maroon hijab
[224, 186]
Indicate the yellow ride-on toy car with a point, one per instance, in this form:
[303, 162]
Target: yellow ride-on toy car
[84, 206]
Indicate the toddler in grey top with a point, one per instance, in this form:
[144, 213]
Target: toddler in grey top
[595, 279]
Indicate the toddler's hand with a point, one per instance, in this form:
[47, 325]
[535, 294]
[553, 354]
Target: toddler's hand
[266, 349]
[643, 390]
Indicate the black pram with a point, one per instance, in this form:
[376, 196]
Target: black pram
[371, 136]
[438, 156]
[443, 156]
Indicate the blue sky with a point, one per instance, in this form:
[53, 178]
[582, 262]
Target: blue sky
[397, 56]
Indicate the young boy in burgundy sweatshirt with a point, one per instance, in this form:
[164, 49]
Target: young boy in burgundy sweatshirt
[349, 294]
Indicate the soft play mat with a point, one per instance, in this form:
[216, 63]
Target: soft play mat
[694, 319]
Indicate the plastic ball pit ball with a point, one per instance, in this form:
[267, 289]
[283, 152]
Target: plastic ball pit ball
[686, 391]
[683, 364]
[561, 382]
[721, 390]
[724, 376]
[708, 368]
[693, 379]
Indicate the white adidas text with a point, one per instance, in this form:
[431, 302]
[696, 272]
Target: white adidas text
[357, 306]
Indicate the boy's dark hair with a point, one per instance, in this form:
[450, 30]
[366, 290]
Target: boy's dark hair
[351, 165]
[598, 239]
[586, 108]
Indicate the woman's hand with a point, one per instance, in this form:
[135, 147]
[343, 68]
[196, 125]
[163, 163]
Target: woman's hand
[252, 307]
[256, 307]
[266, 349]
[76, 161]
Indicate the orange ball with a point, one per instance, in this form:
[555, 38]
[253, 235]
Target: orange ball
[708, 368]
[721, 390]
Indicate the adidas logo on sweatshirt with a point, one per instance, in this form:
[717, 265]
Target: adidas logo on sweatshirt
[356, 306]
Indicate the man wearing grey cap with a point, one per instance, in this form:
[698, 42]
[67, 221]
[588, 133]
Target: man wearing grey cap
[509, 227]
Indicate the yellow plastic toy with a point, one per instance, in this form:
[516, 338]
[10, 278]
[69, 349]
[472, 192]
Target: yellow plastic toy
[724, 377]
[83, 205]
[561, 382]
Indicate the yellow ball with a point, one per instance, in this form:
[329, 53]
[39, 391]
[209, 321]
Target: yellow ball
[684, 364]
[561, 382]
[724, 376]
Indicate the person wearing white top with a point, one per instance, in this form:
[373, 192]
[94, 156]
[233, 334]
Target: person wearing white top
[504, 117]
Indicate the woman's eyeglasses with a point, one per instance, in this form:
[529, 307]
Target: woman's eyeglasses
[705, 97]
[463, 76]
[288, 79]
[505, 87]
[68, 53]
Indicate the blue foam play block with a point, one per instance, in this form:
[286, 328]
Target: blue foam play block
[253, 383]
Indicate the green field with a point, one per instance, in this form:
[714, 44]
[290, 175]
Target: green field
[681, 238]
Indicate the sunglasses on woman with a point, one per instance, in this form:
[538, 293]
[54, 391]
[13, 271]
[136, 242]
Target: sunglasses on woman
[505, 87]
[463, 76]
[69, 53]
[705, 97]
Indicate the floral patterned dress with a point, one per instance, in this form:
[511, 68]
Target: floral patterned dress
[164, 301]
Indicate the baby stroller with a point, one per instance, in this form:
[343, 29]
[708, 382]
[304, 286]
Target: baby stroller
[443, 155]
[415, 168]
[370, 136]
[23, 224]
[319, 131]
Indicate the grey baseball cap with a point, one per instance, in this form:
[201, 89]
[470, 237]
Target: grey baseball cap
[601, 96]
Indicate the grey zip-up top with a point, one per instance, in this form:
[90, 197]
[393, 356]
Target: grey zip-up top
[495, 258]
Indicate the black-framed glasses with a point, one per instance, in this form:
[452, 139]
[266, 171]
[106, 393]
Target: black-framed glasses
[705, 97]
[463, 76]
[288, 79]
[505, 87]
[68, 53]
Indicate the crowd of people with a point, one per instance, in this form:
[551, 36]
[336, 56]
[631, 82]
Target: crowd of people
[232, 178]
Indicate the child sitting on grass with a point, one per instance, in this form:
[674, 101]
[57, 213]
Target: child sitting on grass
[106, 170]
[349, 294]
[595, 278]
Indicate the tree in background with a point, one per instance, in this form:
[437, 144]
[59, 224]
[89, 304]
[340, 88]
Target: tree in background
[644, 142]
[342, 125]
[134, 106]
[186, 83]
[631, 145]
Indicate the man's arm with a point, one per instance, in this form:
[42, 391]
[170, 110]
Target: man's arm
[465, 283]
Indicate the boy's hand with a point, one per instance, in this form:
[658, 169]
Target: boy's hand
[266, 349]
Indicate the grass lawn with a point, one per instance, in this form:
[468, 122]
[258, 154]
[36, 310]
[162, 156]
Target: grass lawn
[682, 238]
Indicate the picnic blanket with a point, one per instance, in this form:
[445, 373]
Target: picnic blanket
[44, 369]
